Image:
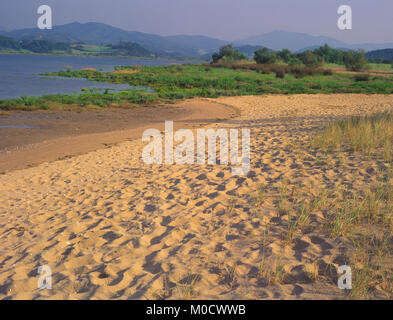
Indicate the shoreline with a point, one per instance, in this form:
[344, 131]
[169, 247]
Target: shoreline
[98, 56]
[32, 147]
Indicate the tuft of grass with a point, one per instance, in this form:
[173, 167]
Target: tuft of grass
[312, 271]
[228, 275]
[274, 274]
[299, 222]
[186, 289]
[362, 77]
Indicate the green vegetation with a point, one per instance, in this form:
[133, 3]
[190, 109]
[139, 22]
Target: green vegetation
[324, 55]
[35, 46]
[330, 55]
[364, 219]
[124, 48]
[309, 58]
[265, 56]
[357, 216]
[384, 56]
[176, 82]
[228, 54]
[355, 60]
[87, 98]
[370, 134]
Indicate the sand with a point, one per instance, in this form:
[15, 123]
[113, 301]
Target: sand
[111, 227]
[61, 134]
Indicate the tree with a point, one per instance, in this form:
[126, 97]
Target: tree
[330, 55]
[227, 53]
[285, 55]
[265, 56]
[310, 59]
[295, 62]
[355, 60]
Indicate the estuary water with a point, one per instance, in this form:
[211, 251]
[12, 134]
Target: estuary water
[21, 74]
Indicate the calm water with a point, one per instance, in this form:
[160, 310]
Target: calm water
[20, 74]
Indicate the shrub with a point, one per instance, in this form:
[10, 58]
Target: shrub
[280, 74]
[330, 55]
[295, 62]
[227, 54]
[310, 59]
[265, 56]
[355, 60]
[285, 55]
[362, 77]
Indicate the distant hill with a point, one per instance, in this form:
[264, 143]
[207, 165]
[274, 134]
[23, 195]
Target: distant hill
[35, 46]
[384, 54]
[102, 34]
[201, 44]
[124, 48]
[316, 47]
[297, 42]
[9, 43]
[181, 46]
[278, 40]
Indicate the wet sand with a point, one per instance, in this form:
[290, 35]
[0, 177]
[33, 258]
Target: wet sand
[58, 135]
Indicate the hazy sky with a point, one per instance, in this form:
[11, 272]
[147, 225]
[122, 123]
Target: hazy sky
[224, 19]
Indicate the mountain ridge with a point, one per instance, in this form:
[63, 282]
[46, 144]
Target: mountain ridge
[182, 45]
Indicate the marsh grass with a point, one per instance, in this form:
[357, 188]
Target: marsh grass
[179, 82]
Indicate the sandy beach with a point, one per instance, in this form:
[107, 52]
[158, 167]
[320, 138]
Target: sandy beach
[111, 227]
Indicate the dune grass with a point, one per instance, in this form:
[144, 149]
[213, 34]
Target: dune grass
[364, 219]
[370, 134]
[357, 217]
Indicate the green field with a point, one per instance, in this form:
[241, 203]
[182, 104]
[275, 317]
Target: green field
[370, 66]
[176, 82]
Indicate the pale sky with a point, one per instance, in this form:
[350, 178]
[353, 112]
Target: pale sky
[223, 19]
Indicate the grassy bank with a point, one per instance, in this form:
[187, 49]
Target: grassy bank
[176, 82]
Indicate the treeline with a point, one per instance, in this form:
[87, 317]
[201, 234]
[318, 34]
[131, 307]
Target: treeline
[123, 48]
[381, 56]
[36, 46]
[127, 48]
[353, 60]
